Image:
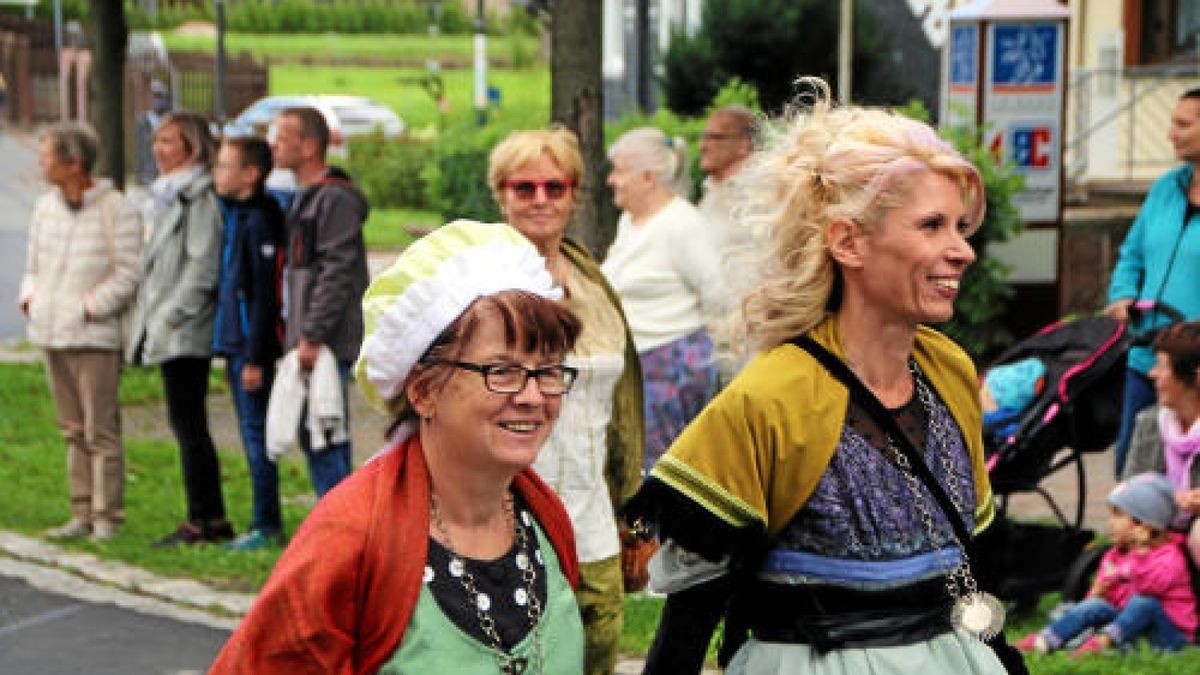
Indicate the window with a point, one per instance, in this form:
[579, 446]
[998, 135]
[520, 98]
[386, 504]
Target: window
[1162, 31]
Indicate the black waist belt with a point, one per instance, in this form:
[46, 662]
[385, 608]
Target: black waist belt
[828, 617]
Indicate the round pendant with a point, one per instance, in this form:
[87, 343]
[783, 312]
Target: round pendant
[979, 614]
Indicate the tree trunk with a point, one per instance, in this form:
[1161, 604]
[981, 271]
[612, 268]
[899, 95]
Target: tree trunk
[577, 102]
[110, 35]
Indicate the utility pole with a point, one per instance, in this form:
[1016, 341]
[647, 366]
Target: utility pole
[845, 50]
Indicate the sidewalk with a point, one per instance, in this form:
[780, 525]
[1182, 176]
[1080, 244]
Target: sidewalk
[103, 582]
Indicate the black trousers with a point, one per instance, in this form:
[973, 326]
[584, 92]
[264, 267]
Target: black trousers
[185, 382]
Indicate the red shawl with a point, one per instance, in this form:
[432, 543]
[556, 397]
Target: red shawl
[342, 593]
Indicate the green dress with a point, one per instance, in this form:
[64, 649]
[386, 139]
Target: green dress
[433, 644]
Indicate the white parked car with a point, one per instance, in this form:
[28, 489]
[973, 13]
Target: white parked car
[345, 115]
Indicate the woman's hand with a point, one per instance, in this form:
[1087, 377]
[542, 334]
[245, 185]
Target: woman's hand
[252, 377]
[1189, 500]
[1119, 309]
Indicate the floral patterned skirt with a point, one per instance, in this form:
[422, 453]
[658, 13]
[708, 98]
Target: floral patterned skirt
[678, 378]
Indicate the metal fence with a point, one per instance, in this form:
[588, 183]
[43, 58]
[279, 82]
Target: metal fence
[29, 65]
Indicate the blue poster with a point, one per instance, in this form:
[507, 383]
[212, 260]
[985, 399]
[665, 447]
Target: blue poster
[964, 53]
[1025, 56]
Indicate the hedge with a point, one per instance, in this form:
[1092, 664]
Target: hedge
[305, 16]
[391, 173]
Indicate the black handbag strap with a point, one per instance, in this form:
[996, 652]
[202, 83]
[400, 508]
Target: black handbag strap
[866, 398]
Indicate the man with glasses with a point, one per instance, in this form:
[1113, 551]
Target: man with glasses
[726, 143]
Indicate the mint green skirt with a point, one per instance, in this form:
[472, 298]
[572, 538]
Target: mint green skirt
[947, 654]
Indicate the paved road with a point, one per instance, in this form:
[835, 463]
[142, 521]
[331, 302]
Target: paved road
[46, 633]
[19, 187]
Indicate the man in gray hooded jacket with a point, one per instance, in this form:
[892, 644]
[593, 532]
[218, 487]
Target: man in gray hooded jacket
[326, 268]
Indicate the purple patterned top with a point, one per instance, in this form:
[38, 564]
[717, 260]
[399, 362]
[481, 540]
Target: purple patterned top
[861, 527]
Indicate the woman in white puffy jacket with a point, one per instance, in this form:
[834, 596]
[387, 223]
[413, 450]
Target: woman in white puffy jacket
[80, 277]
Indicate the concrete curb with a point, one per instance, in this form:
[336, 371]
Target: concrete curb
[79, 574]
[186, 593]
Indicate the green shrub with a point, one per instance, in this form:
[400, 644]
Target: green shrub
[390, 172]
[985, 291]
[456, 179]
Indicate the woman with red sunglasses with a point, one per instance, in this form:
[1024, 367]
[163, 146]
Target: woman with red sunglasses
[593, 458]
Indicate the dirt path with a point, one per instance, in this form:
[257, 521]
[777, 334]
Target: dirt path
[150, 422]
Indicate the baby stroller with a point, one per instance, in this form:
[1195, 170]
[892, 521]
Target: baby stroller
[1077, 411]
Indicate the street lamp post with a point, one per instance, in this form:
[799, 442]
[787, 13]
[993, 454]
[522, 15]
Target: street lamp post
[481, 100]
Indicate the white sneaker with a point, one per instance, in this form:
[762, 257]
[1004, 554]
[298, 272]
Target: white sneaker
[103, 531]
[72, 528]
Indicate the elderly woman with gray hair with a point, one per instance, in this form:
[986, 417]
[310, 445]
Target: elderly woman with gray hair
[665, 266]
[81, 274]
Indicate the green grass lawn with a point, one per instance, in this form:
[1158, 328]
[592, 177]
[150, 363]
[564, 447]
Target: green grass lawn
[417, 48]
[32, 472]
[387, 229]
[525, 94]
[32, 469]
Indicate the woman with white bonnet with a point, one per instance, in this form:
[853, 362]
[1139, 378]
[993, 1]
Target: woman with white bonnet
[445, 553]
[665, 266]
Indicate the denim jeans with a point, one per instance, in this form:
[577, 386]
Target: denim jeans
[1142, 615]
[251, 409]
[327, 467]
[1139, 395]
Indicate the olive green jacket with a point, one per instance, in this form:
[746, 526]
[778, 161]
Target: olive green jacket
[626, 428]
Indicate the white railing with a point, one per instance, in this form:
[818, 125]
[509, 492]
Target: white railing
[1119, 118]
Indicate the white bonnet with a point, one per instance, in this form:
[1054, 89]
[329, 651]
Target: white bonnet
[429, 286]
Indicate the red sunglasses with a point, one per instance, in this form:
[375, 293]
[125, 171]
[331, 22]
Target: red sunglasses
[526, 189]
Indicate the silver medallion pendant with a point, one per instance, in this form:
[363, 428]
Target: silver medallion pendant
[979, 614]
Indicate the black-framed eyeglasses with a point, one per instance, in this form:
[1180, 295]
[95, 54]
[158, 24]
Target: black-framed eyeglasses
[511, 378]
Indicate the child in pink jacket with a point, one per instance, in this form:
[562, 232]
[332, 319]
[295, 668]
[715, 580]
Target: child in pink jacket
[1142, 587]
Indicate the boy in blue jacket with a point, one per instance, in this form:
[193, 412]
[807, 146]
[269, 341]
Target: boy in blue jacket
[247, 321]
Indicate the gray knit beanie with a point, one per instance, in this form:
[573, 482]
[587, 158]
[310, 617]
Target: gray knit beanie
[1148, 498]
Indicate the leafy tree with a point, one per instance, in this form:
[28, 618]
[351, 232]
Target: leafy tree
[768, 44]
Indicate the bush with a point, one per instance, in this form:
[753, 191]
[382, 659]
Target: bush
[298, 16]
[390, 173]
[985, 291]
[456, 179]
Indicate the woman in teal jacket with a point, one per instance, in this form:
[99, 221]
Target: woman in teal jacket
[1159, 261]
